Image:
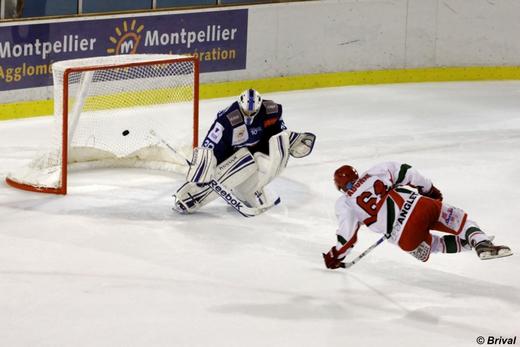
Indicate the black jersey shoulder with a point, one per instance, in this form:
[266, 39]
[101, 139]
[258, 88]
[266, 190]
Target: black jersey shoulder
[271, 108]
[231, 115]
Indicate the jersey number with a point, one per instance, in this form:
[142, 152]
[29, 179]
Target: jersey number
[369, 201]
[208, 144]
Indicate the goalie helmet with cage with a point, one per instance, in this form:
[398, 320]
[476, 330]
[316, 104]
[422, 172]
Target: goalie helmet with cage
[345, 177]
[250, 102]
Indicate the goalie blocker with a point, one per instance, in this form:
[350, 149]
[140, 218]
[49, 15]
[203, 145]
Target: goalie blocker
[240, 179]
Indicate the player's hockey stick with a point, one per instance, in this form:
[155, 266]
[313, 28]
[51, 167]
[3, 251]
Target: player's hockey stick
[348, 264]
[222, 191]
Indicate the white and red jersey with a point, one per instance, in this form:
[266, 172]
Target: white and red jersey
[376, 201]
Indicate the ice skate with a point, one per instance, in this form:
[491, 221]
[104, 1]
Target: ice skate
[487, 250]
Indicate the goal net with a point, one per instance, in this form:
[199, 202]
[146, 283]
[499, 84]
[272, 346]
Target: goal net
[115, 111]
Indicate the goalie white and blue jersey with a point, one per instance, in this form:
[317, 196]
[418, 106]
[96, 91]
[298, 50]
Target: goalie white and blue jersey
[232, 131]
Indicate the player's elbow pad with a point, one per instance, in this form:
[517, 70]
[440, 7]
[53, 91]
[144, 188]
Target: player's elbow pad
[433, 193]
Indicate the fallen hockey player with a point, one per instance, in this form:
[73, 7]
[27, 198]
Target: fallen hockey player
[378, 200]
[247, 146]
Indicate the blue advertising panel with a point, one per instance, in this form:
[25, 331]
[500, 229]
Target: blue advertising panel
[218, 39]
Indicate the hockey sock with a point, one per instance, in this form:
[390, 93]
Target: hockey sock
[474, 235]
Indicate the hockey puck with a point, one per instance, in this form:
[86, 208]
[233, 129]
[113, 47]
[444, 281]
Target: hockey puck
[126, 132]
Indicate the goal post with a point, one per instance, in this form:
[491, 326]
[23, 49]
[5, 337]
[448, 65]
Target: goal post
[105, 109]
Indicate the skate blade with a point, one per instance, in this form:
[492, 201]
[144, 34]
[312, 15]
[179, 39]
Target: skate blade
[501, 254]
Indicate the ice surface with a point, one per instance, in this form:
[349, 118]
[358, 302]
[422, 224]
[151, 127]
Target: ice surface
[111, 265]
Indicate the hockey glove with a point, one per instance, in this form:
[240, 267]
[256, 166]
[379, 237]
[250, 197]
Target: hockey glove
[332, 259]
[301, 144]
[433, 193]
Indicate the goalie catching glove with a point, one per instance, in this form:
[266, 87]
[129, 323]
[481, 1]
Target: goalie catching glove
[301, 144]
[202, 165]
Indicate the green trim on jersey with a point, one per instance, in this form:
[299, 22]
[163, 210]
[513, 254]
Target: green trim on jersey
[341, 239]
[390, 215]
[403, 190]
[402, 173]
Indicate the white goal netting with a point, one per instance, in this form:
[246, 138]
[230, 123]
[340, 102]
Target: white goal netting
[108, 112]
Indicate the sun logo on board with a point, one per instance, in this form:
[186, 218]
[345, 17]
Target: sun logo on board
[126, 39]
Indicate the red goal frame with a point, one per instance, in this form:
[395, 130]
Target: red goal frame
[65, 125]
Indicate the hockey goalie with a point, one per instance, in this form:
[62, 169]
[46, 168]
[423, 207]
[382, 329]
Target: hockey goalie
[382, 200]
[247, 146]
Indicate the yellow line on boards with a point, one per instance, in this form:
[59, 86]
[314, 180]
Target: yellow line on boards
[299, 82]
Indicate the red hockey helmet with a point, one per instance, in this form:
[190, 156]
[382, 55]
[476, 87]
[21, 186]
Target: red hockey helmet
[344, 177]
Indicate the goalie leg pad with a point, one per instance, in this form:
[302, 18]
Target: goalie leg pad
[191, 196]
[202, 165]
[257, 198]
[251, 191]
[272, 165]
[232, 172]
[236, 169]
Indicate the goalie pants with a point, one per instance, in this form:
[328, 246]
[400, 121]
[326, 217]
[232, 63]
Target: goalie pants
[430, 214]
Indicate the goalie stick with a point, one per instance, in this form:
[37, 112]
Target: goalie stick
[348, 264]
[238, 204]
[222, 191]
